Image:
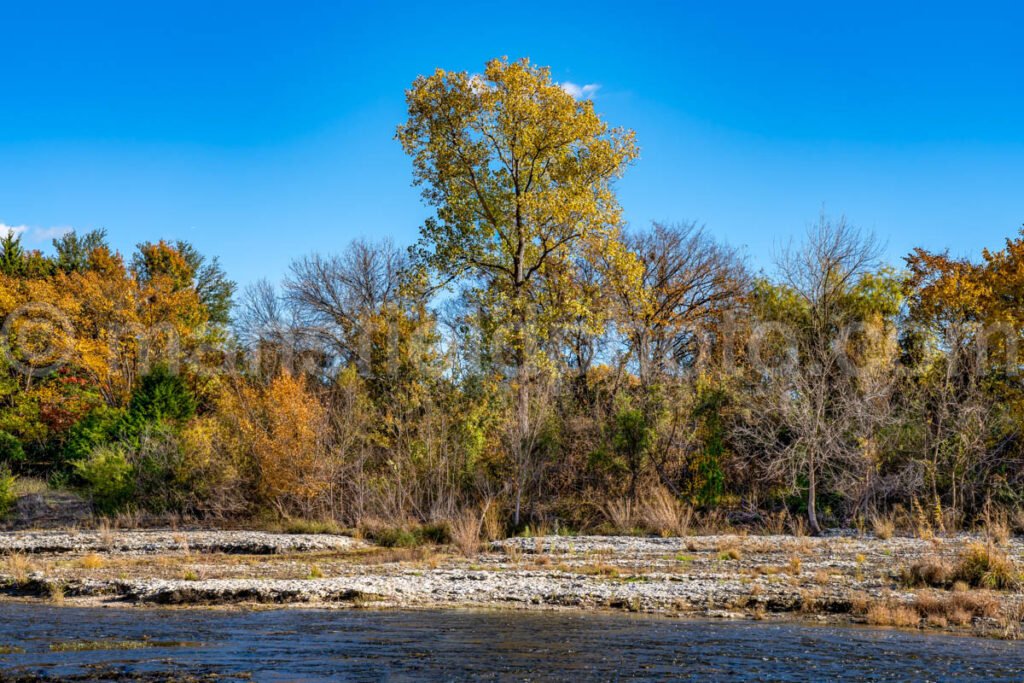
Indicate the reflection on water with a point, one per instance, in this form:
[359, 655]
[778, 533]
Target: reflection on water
[315, 645]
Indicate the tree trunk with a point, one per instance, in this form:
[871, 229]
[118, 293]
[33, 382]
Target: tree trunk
[812, 507]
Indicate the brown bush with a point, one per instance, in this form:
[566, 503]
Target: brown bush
[881, 614]
[931, 572]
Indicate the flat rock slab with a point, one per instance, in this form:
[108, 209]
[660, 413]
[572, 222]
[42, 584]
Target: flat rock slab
[167, 541]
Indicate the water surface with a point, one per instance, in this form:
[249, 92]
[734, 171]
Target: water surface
[321, 645]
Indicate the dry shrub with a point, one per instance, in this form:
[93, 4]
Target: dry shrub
[983, 565]
[621, 515]
[714, 522]
[883, 526]
[893, 615]
[821, 577]
[996, 525]
[493, 526]
[730, 553]
[775, 524]
[599, 569]
[465, 530]
[798, 527]
[978, 603]
[1012, 618]
[513, 552]
[56, 593]
[18, 567]
[922, 522]
[958, 609]
[666, 515]
[92, 561]
[859, 602]
[928, 571]
[106, 533]
[809, 599]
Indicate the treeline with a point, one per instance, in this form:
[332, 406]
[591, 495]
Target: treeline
[529, 359]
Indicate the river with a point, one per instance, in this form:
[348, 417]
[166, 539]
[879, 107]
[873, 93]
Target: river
[321, 645]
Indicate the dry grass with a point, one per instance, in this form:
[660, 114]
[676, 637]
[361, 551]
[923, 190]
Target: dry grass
[24, 486]
[56, 591]
[666, 515]
[880, 614]
[883, 527]
[106, 533]
[798, 527]
[418, 554]
[775, 524]
[859, 602]
[465, 529]
[958, 608]
[493, 526]
[983, 565]
[598, 569]
[821, 577]
[714, 522]
[92, 561]
[928, 571]
[997, 527]
[621, 515]
[513, 552]
[730, 553]
[18, 567]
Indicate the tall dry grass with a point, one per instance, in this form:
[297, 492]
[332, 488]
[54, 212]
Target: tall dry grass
[666, 515]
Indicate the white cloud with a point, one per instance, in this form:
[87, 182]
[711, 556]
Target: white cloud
[33, 235]
[47, 234]
[6, 230]
[581, 92]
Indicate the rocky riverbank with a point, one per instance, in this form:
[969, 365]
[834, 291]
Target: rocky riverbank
[837, 578]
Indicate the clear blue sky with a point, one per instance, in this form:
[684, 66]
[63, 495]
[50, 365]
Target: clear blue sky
[262, 131]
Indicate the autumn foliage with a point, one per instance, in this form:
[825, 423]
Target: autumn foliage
[531, 358]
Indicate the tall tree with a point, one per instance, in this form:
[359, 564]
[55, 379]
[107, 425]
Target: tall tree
[814, 416]
[521, 177]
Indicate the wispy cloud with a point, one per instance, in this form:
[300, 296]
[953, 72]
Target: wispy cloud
[15, 230]
[32, 234]
[581, 92]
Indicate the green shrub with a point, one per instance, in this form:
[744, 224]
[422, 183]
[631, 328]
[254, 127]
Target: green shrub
[161, 395]
[11, 450]
[108, 478]
[437, 533]
[101, 426]
[8, 496]
[311, 526]
[395, 537]
[407, 536]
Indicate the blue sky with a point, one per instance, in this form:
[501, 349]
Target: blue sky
[262, 131]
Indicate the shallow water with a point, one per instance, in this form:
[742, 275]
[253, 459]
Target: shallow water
[320, 645]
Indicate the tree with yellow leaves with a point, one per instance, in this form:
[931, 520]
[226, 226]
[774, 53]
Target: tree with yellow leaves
[521, 176]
